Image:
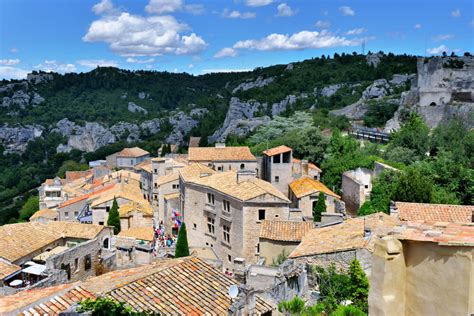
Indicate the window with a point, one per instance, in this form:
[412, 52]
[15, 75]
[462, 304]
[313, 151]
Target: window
[210, 198]
[226, 206]
[195, 226]
[210, 225]
[276, 159]
[156, 170]
[258, 248]
[107, 209]
[101, 223]
[226, 230]
[156, 185]
[261, 215]
[76, 214]
[277, 179]
[66, 215]
[131, 161]
[155, 196]
[76, 264]
[87, 262]
[277, 215]
[287, 157]
[242, 166]
[229, 257]
[219, 168]
[175, 186]
[105, 244]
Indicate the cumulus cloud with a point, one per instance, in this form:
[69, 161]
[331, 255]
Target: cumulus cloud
[195, 9]
[140, 61]
[234, 14]
[257, 3]
[134, 35]
[7, 72]
[104, 6]
[456, 13]
[322, 24]
[437, 50]
[55, 66]
[417, 26]
[443, 37]
[297, 41]
[285, 10]
[226, 52]
[356, 31]
[9, 62]
[163, 6]
[93, 63]
[347, 11]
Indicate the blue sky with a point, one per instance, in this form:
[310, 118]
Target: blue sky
[199, 36]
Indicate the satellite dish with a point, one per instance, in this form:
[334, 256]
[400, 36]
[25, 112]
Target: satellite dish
[233, 291]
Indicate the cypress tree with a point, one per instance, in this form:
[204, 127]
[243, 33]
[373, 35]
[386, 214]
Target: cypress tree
[182, 249]
[359, 286]
[320, 207]
[114, 217]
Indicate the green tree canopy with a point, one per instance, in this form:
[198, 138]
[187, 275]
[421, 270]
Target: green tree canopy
[182, 248]
[320, 207]
[414, 135]
[358, 286]
[29, 208]
[114, 217]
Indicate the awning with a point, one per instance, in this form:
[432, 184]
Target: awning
[36, 269]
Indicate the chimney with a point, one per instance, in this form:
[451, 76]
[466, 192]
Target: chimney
[245, 175]
[240, 271]
[220, 145]
[304, 166]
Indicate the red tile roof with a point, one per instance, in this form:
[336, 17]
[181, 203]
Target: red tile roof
[277, 150]
[310, 164]
[132, 152]
[242, 153]
[285, 230]
[86, 196]
[74, 175]
[434, 212]
[442, 233]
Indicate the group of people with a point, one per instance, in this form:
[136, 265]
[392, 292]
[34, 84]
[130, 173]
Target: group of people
[162, 239]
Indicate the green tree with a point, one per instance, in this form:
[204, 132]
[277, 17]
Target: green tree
[382, 192]
[280, 258]
[413, 186]
[104, 306]
[348, 311]
[414, 135]
[319, 208]
[295, 306]
[70, 165]
[114, 217]
[182, 248]
[29, 208]
[358, 286]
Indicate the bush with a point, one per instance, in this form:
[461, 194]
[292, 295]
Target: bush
[114, 217]
[182, 248]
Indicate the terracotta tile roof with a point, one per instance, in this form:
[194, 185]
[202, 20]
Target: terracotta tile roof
[86, 196]
[132, 152]
[306, 185]
[44, 301]
[194, 170]
[21, 239]
[144, 165]
[130, 207]
[285, 230]
[167, 178]
[226, 182]
[196, 154]
[434, 212]
[345, 236]
[442, 233]
[277, 150]
[7, 269]
[188, 287]
[310, 164]
[46, 213]
[141, 233]
[130, 192]
[74, 175]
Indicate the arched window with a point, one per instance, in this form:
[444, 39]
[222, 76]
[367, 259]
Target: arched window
[105, 243]
[433, 103]
[242, 166]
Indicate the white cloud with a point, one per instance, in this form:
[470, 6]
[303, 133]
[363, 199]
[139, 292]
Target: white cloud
[456, 13]
[195, 9]
[134, 35]
[163, 6]
[104, 6]
[54, 66]
[322, 24]
[9, 62]
[190, 66]
[347, 11]
[226, 52]
[226, 70]
[238, 15]
[13, 50]
[437, 50]
[140, 61]
[443, 37]
[93, 63]
[7, 72]
[285, 10]
[297, 41]
[417, 26]
[356, 31]
[257, 3]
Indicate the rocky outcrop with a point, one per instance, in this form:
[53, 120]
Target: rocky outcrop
[182, 124]
[281, 106]
[373, 59]
[330, 90]
[258, 83]
[151, 126]
[15, 139]
[377, 90]
[37, 78]
[289, 67]
[143, 95]
[19, 94]
[134, 108]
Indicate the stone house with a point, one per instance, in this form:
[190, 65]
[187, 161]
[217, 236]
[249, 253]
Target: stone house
[340, 244]
[45, 251]
[356, 187]
[280, 168]
[43, 216]
[135, 246]
[424, 269]
[304, 194]
[50, 193]
[127, 158]
[411, 212]
[277, 236]
[144, 169]
[221, 158]
[224, 210]
[134, 215]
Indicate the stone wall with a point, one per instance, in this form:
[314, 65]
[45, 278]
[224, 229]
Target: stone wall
[270, 249]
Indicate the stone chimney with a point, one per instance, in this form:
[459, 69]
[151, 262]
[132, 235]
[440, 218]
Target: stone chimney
[304, 166]
[220, 145]
[240, 270]
[393, 209]
[245, 175]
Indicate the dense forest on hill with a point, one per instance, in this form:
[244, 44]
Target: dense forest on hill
[103, 94]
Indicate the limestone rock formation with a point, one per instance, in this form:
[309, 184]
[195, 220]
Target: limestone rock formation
[182, 124]
[19, 94]
[134, 108]
[373, 59]
[37, 78]
[143, 95]
[15, 139]
[281, 106]
[258, 83]
[330, 90]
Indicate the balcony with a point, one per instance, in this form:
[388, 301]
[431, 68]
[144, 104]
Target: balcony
[210, 208]
[227, 216]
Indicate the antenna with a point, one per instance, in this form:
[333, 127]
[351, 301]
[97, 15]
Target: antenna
[233, 291]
